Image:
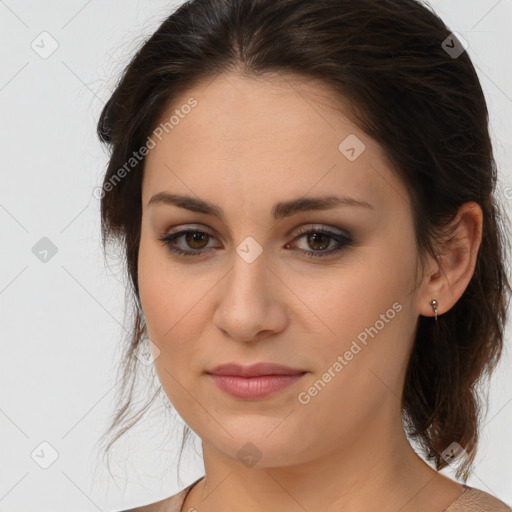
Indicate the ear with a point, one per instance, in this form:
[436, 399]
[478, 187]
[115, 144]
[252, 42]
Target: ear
[447, 280]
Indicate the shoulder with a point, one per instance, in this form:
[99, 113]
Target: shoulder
[475, 500]
[171, 504]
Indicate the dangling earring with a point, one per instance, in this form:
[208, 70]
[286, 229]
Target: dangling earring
[433, 303]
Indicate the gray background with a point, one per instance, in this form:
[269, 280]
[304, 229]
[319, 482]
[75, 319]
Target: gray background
[62, 320]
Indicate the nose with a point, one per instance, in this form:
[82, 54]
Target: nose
[251, 301]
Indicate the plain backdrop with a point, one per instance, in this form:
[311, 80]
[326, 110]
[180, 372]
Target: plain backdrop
[62, 320]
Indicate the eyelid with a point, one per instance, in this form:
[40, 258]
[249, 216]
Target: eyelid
[321, 228]
[190, 227]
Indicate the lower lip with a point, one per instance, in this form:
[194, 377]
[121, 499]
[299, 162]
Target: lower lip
[254, 388]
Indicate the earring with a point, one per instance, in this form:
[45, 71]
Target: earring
[433, 303]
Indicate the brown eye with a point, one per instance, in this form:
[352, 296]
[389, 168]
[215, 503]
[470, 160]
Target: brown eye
[196, 239]
[195, 242]
[319, 239]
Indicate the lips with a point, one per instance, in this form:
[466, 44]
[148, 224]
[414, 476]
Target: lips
[254, 382]
[255, 370]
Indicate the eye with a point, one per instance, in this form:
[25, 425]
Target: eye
[318, 238]
[195, 238]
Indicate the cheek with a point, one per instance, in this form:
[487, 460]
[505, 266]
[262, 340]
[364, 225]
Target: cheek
[359, 369]
[171, 306]
[166, 289]
[365, 315]
[171, 311]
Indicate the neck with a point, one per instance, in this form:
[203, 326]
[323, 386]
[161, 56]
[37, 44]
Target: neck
[377, 469]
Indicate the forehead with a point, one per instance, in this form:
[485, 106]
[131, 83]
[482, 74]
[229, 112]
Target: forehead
[267, 139]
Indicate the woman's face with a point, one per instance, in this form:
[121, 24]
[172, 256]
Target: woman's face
[257, 290]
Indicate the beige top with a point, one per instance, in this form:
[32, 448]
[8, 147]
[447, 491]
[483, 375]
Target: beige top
[471, 500]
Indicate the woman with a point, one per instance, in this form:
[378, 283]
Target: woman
[304, 192]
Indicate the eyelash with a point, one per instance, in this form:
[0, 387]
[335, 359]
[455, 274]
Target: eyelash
[343, 240]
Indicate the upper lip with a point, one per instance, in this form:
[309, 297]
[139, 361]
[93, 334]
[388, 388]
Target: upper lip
[254, 370]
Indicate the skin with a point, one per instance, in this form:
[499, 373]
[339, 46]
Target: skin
[248, 144]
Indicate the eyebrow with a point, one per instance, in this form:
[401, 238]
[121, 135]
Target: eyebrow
[279, 210]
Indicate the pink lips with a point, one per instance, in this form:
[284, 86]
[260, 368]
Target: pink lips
[254, 382]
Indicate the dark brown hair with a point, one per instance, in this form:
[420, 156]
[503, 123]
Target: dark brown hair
[390, 60]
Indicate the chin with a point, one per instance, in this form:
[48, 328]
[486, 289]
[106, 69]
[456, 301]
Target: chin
[264, 443]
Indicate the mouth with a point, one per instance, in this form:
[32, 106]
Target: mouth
[254, 382]
[254, 370]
